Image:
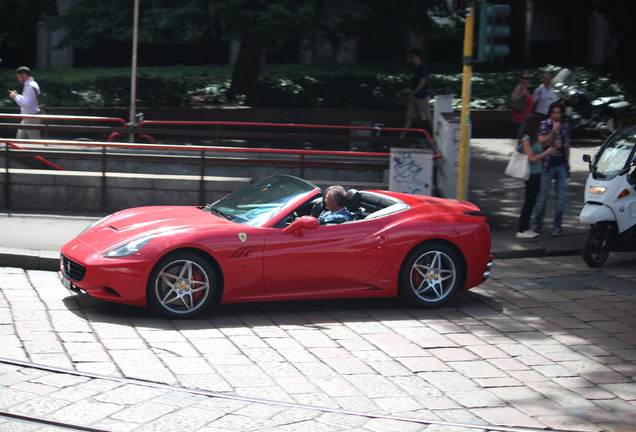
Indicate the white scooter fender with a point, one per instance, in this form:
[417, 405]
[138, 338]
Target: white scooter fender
[593, 213]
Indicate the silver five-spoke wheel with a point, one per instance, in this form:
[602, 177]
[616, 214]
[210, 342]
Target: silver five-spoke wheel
[181, 285]
[431, 275]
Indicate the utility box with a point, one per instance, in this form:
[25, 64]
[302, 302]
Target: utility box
[411, 171]
[448, 139]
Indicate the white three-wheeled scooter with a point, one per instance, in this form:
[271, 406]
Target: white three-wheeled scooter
[610, 198]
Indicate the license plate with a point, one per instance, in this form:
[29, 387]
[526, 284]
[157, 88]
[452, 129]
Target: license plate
[67, 283]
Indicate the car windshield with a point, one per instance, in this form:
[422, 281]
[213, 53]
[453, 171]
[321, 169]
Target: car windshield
[259, 202]
[616, 154]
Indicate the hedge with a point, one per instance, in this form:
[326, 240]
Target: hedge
[373, 85]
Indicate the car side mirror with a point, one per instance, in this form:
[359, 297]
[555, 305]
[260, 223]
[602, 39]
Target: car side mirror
[303, 222]
[587, 158]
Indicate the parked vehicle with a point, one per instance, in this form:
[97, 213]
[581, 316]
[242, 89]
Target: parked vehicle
[603, 115]
[610, 198]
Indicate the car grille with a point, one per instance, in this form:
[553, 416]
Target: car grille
[73, 270]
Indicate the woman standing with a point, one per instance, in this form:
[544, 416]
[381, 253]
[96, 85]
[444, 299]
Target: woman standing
[529, 139]
[521, 91]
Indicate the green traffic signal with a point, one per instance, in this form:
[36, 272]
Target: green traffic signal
[492, 28]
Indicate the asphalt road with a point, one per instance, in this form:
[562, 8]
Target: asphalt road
[36, 231]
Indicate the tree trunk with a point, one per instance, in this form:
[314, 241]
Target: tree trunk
[248, 65]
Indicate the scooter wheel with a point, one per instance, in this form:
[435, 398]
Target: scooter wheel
[595, 249]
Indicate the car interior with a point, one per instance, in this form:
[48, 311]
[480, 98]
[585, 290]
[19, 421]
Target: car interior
[361, 204]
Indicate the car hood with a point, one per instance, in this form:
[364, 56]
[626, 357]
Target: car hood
[137, 222]
[148, 218]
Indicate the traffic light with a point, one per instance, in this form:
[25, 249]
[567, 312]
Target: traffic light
[492, 29]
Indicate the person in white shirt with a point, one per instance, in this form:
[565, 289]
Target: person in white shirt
[28, 101]
[544, 95]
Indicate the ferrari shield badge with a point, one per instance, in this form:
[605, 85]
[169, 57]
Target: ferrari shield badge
[242, 237]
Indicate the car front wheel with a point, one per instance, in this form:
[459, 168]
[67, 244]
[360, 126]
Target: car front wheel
[181, 285]
[430, 276]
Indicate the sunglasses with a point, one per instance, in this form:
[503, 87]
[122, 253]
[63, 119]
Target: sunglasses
[524, 78]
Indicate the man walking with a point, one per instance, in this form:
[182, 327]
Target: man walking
[28, 101]
[419, 107]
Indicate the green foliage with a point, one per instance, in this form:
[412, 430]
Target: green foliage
[326, 85]
[88, 23]
[332, 89]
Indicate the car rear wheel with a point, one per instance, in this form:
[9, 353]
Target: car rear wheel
[181, 285]
[430, 276]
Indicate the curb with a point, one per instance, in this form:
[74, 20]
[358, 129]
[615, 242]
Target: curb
[50, 261]
[29, 261]
[534, 253]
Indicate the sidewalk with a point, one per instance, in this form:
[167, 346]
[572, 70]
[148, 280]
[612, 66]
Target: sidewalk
[501, 197]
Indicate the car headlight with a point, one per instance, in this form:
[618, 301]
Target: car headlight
[130, 248]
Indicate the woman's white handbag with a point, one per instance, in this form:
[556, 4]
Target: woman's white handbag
[518, 166]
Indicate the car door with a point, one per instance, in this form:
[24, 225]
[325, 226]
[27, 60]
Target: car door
[326, 256]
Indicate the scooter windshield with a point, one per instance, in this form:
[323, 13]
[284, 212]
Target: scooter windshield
[616, 154]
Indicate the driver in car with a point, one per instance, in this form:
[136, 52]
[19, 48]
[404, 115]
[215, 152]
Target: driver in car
[335, 201]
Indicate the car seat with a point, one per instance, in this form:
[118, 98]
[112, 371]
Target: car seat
[318, 206]
[354, 203]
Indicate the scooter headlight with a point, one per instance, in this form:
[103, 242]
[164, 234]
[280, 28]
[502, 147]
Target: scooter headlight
[597, 189]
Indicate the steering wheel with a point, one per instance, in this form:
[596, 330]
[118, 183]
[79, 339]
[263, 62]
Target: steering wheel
[292, 217]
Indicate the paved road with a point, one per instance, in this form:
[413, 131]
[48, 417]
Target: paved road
[38, 231]
[546, 342]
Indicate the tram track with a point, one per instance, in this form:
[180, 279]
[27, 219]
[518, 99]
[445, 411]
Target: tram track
[249, 400]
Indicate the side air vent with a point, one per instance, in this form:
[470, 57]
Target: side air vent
[242, 253]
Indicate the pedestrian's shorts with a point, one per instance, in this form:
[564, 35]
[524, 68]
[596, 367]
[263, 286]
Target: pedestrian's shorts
[419, 108]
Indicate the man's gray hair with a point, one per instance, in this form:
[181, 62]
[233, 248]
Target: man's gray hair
[339, 194]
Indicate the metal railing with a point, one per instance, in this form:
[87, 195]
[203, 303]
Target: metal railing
[202, 155]
[296, 131]
[298, 158]
[48, 124]
[221, 130]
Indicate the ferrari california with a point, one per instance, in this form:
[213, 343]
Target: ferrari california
[264, 243]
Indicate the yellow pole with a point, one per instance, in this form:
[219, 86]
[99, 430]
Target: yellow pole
[133, 75]
[462, 177]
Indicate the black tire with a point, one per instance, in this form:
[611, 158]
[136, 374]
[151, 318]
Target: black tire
[181, 285]
[430, 276]
[595, 249]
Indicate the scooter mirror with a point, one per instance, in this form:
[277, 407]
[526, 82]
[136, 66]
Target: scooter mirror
[587, 158]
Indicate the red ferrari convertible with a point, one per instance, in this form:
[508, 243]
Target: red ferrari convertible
[263, 243]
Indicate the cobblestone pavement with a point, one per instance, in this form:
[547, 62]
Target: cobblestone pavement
[545, 343]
